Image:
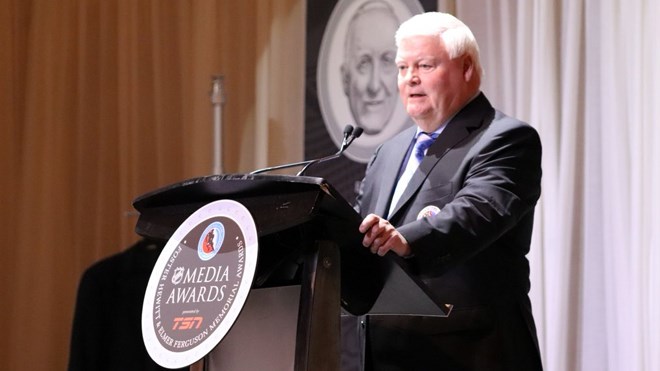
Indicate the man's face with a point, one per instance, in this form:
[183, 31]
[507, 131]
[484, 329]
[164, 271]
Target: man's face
[369, 74]
[432, 86]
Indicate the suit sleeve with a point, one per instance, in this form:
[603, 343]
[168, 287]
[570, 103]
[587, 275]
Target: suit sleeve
[502, 184]
[361, 198]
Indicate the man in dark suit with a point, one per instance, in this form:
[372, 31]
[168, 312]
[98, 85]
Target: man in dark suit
[461, 219]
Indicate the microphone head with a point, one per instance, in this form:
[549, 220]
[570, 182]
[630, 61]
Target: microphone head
[357, 132]
[348, 129]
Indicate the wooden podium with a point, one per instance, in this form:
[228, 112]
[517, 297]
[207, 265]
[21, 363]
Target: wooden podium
[310, 263]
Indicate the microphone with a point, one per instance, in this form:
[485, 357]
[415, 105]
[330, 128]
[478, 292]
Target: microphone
[350, 134]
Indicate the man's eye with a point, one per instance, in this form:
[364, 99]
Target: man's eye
[364, 65]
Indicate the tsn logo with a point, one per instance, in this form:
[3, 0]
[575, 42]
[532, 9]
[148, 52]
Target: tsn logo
[187, 323]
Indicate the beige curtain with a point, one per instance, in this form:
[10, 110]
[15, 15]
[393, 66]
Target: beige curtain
[586, 74]
[101, 101]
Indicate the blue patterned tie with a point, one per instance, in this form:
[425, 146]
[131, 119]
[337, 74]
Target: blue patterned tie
[422, 143]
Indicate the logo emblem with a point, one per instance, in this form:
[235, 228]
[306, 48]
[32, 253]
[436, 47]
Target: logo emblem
[178, 275]
[211, 241]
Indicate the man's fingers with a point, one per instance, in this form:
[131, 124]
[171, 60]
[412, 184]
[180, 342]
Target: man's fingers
[380, 236]
[384, 247]
[370, 226]
[371, 236]
[368, 222]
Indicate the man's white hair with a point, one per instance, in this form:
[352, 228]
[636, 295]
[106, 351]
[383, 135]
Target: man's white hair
[456, 36]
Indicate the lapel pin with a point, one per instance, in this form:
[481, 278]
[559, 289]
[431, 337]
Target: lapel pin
[428, 212]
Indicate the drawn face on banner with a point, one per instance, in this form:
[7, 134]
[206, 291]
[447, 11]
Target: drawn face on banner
[369, 73]
[356, 75]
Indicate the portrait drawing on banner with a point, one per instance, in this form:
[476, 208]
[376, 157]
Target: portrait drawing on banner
[357, 75]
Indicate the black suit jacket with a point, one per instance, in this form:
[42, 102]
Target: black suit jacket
[483, 173]
[106, 333]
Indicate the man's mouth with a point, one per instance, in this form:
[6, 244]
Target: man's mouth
[373, 103]
[373, 106]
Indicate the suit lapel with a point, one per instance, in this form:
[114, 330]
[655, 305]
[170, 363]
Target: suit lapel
[465, 122]
[389, 174]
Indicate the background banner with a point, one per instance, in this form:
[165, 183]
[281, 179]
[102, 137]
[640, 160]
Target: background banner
[351, 79]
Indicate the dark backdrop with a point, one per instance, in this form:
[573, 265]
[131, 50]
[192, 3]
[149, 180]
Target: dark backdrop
[343, 173]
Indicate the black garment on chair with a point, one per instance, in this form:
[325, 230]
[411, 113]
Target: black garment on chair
[106, 332]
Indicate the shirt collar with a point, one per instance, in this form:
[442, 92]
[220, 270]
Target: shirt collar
[439, 130]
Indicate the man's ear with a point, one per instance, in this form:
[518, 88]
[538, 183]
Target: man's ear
[468, 68]
[345, 78]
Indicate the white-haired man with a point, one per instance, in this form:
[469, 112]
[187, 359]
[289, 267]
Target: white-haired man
[460, 217]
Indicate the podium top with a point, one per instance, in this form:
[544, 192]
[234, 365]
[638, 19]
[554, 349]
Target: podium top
[281, 202]
[277, 202]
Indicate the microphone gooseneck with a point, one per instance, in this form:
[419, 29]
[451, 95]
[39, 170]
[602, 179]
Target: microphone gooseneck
[350, 134]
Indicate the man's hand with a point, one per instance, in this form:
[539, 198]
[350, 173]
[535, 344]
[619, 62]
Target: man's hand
[380, 236]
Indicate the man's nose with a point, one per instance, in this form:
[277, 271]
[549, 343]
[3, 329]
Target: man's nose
[374, 83]
[411, 77]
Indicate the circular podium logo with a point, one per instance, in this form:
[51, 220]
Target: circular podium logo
[199, 284]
